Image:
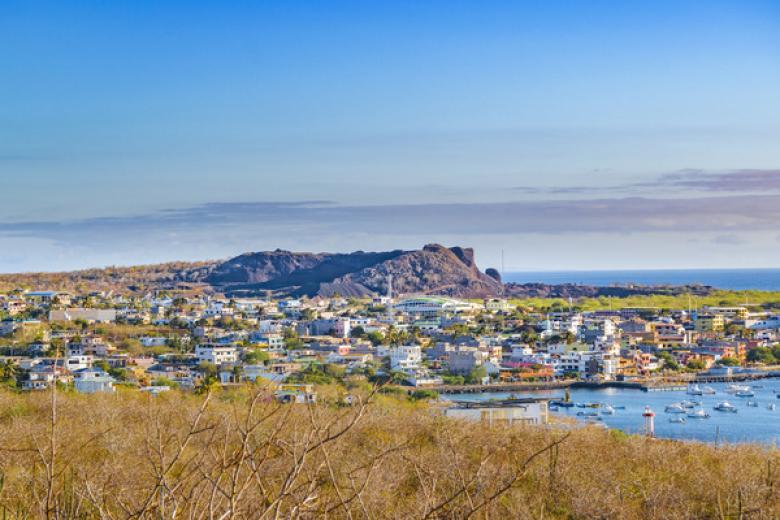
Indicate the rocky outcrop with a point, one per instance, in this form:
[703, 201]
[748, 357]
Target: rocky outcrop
[435, 269]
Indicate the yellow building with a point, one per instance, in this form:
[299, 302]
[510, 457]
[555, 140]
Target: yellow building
[710, 323]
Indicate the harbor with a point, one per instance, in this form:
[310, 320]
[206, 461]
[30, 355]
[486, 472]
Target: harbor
[717, 412]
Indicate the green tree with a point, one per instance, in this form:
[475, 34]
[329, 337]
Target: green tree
[164, 381]
[695, 364]
[256, 356]
[669, 361]
[728, 362]
[291, 339]
[763, 355]
[8, 373]
[209, 370]
[476, 375]
[376, 338]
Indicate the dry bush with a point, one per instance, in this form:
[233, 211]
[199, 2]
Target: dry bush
[238, 454]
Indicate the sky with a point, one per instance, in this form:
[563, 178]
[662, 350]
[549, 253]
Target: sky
[569, 135]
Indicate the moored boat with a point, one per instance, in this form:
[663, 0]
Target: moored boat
[725, 406]
[694, 390]
[674, 408]
[733, 389]
[699, 414]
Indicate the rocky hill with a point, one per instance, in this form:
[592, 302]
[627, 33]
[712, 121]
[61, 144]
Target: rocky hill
[434, 269]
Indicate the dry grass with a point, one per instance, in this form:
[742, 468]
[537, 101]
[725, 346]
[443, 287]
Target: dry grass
[240, 455]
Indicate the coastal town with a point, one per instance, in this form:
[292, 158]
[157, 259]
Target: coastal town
[164, 340]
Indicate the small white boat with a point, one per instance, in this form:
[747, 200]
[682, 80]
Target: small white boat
[753, 404]
[677, 419]
[607, 410]
[770, 406]
[733, 389]
[708, 390]
[745, 393]
[674, 408]
[690, 404]
[694, 390]
[699, 414]
[725, 406]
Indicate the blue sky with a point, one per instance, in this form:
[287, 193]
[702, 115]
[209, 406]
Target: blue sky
[573, 135]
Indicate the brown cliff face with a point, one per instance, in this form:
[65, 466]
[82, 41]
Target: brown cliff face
[434, 269]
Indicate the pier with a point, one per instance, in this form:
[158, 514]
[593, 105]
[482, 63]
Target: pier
[667, 384]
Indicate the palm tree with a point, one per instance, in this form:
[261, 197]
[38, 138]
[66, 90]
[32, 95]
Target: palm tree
[8, 371]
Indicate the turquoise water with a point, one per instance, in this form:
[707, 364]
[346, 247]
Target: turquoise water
[749, 424]
[734, 279]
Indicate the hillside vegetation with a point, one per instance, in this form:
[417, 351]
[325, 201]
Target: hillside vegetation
[238, 454]
[716, 298]
[124, 280]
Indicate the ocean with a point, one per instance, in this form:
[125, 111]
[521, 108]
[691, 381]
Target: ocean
[733, 279]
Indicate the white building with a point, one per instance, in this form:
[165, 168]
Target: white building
[153, 341]
[74, 363]
[768, 323]
[92, 380]
[520, 352]
[88, 315]
[216, 354]
[406, 358]
[433, 306]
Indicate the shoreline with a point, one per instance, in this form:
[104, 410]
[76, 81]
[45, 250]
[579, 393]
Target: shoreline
[665, 384]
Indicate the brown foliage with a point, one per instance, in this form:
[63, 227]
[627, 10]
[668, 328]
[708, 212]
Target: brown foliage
[240, 455]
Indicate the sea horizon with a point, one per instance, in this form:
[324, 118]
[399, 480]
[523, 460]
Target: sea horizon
[737, 279]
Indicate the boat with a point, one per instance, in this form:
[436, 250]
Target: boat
[745, 393]
[694, 390]
[725, 406]
[753, 404]
[699, 414]
[607, 410]
[770, 406]
[708, 390]
[587, 414]
[562, 404]
[733, 389]
[677, 419]
[616, 407]
[674, 408]
[690, 404]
